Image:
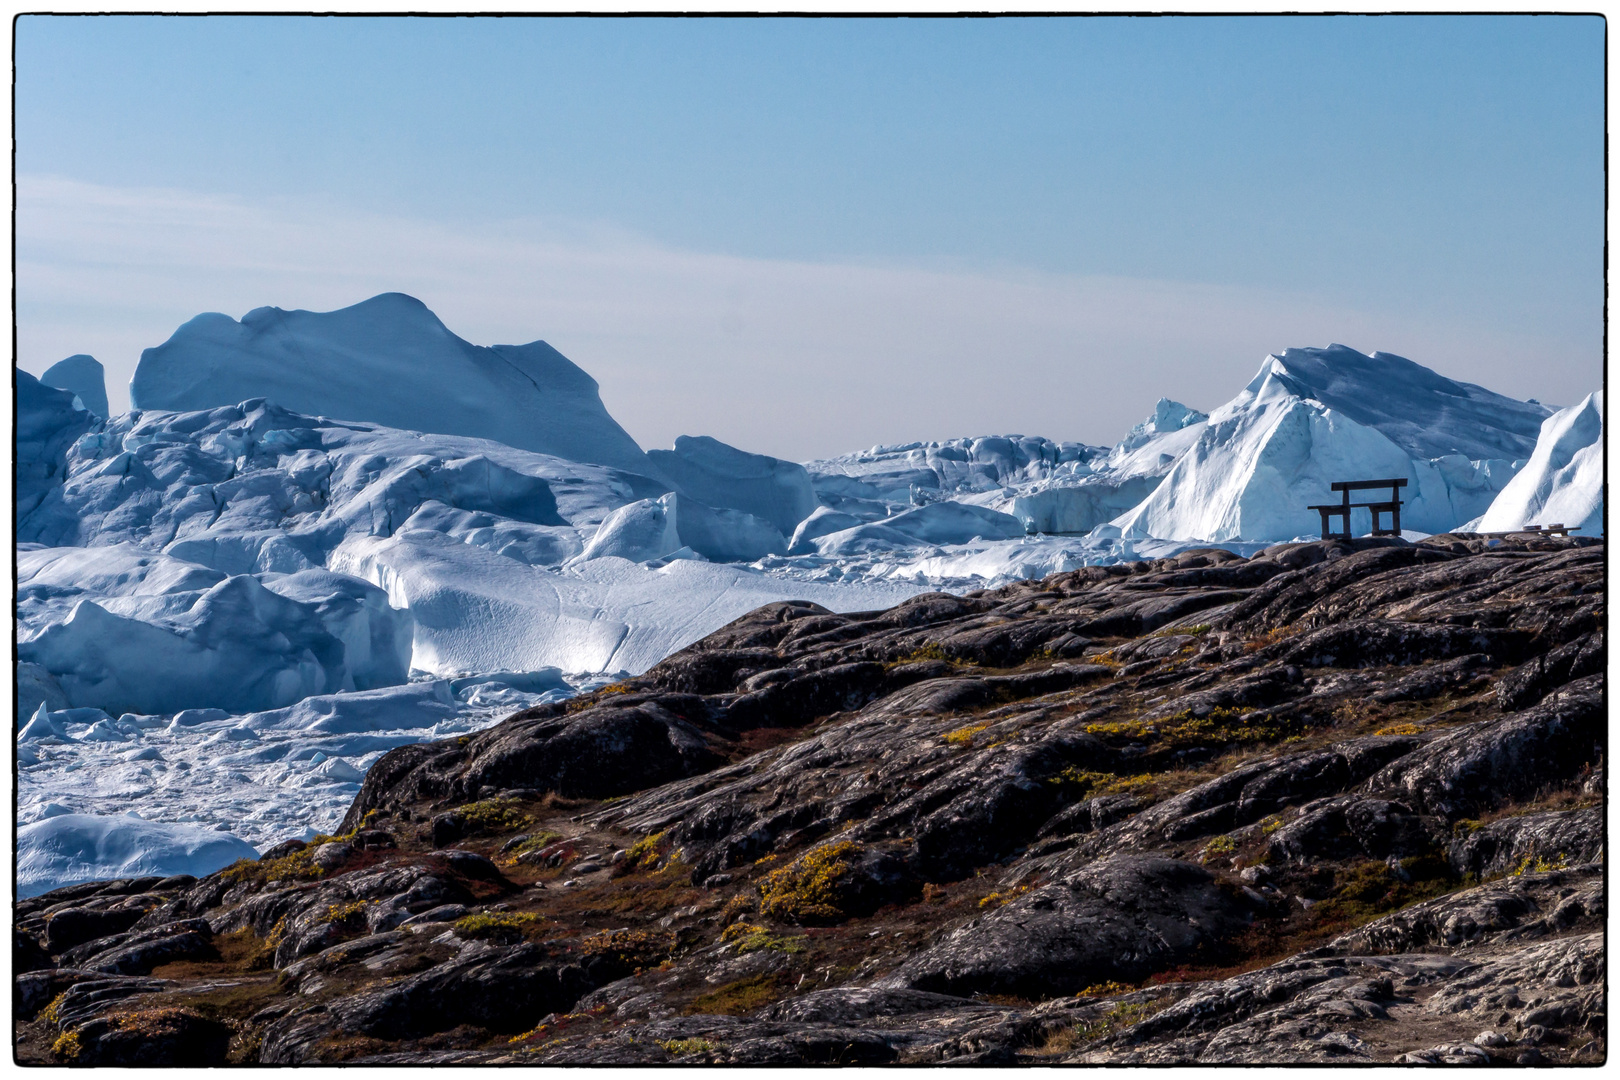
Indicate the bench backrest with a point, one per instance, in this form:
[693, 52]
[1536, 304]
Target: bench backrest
[1362, 485]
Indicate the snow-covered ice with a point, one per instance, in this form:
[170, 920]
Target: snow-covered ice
[129, 630]
[934, 524]
[308, 555]
[64, 849]
[1422, 412]
[475, 611]
[258, 776]
[1127, 475]
[1563, 481]
[658, 528]
[874, 483]
[987, 563]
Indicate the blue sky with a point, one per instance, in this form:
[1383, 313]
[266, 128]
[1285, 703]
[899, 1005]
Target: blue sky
[807, 203]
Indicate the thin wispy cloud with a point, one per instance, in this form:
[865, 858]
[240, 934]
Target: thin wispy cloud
[798, 359]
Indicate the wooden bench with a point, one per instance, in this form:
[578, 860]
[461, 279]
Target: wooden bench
[1391, 506]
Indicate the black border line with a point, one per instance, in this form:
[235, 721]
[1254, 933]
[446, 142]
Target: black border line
[863, 15]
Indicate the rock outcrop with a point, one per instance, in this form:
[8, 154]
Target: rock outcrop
[1338, 802]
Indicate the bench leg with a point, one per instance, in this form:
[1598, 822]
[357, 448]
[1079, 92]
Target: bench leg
[1395, 512]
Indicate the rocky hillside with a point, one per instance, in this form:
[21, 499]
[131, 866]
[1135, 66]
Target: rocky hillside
[1340, 802]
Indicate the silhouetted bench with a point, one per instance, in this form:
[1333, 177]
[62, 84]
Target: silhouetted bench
[1392, 506]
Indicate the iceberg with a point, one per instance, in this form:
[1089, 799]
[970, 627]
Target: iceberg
[887, 479]
[388, 360]
[1261, 459]
[1078, 503]
[184, 547]
[1563, 481]
[657, 528]
[339, 771]
[82, 376]
[1419, 410]
[822, 521]
[47, 426]
[36, 687]
[723, 477]
[411, 707]
[124, 629]
[475, 611]
[253, 487]
[42, 725]
[64, 849]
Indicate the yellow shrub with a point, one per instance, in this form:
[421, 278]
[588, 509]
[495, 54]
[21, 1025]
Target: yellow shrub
[1105, 989]
[680, 1047]
[296, 866]
[808, 887]
[496, 925]
[963, 736]
[50, 1013]
[750, 938]
[931, 651]
[633, 948]
[495, 815]
[644, 853]
[996, 899]
[1219, 727]
[735, 906]
[336, 913]
[67, 1045]
[1540, 864]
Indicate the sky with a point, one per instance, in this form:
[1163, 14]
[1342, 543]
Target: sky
[809, 236]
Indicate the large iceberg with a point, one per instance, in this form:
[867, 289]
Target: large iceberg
[247, 556]
[1260, 460]
[1563, 481]
[254, 487]
[391, 361]
[1419, 410]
